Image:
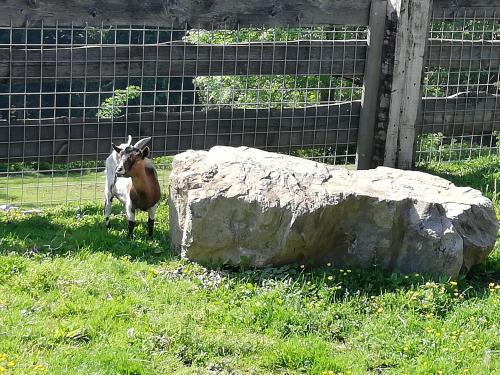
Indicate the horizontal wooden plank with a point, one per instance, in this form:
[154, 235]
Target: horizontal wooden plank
[185, 59]
[463, 54]
[194, 13]
[470, 114]
[444, 4]
[469, 9]
[70, 139]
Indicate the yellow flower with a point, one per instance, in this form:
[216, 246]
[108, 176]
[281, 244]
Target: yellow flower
[11, 363]
[330, 277]
[405, 349]
[39, 368]
[3, 357]
[380, 309]
[491, 285]
[454, 283]
[2, 369]
[349, 271]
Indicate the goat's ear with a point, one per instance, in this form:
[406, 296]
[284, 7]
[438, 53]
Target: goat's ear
[116, 148]
[145, 152]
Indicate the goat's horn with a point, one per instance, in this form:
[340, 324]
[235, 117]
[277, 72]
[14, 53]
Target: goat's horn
[129, 140]
[140, 144]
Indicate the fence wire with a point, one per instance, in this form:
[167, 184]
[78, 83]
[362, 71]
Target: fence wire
[66, 92]
[461, 106]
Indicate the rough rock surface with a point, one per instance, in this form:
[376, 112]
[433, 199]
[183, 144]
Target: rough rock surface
[242, 205]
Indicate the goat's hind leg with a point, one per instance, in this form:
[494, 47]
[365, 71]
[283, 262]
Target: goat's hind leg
[151, 220]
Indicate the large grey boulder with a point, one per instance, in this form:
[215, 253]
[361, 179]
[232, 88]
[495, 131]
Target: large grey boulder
[242, 205]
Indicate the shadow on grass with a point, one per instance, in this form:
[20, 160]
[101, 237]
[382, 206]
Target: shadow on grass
[72, 230]
[370, 279]
[335, 285]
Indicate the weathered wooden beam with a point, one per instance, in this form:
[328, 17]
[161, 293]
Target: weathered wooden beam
[184, 59]
[210, 13]
[371, 85]
[194, 13]
[179, 58]
[461, 114]
[456, 9]
[67, 139]
[413, 22]
[464, 54]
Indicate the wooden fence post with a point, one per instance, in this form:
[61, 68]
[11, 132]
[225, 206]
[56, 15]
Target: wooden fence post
[371, 84]
[412, 26]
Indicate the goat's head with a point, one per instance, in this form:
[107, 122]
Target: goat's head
[129, 155]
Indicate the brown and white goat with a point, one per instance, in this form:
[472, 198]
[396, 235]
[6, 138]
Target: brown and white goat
[132, 179]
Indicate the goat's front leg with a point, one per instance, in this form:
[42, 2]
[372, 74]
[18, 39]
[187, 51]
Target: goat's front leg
[108, 198]
[151, 220]
[130, 213]
[107, 211]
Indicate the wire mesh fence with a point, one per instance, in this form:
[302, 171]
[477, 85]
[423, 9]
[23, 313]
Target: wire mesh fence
[461, 87]
[66, 92]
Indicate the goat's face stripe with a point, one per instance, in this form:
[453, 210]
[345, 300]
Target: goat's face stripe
[127, 158]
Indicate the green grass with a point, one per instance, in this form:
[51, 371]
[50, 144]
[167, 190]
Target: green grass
[482, 173]
[78, 299]
[30, 189]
